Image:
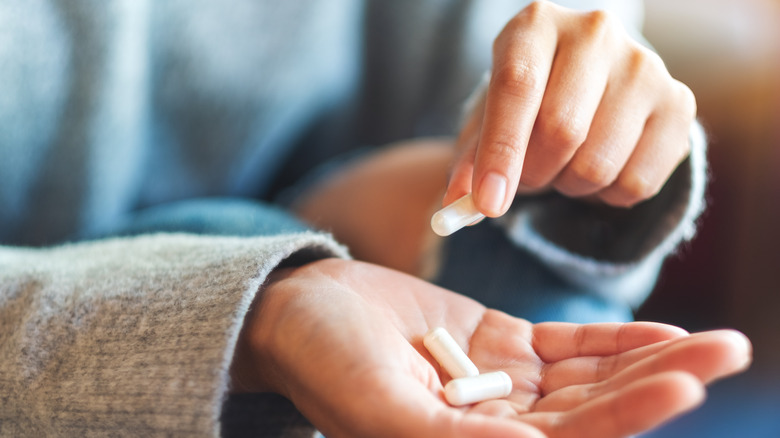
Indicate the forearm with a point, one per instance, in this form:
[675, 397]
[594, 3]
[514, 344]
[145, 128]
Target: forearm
[380, 204]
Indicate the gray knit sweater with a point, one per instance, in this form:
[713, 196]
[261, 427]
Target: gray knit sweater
[130, 336]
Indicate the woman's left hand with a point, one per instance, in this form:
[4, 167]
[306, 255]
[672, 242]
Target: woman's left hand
[343, 341]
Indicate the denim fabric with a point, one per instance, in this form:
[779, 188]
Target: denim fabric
[480, 262]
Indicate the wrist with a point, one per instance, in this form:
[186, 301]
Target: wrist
[254, 368]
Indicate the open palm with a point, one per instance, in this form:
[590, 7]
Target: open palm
[343, 341]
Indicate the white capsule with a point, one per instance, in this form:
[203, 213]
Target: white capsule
[468, 390]
[448, 353]
[455, 216]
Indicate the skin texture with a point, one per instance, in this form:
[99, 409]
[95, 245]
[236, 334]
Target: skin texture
[343, 340]
[574, 105]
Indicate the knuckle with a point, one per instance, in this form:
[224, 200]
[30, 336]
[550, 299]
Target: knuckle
[534, 11]
[518, 78]
[595, 172]
[644, 63]
[563, 131]
[598, 24]
[504, 146]
[635, 188]
[678, 102]
[530, 17]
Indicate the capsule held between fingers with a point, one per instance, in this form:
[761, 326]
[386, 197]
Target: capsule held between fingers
[455, 216]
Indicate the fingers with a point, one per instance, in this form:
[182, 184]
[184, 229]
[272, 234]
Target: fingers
[574, 104]
[615, 129]
[554, 342]
[578, 371]
[635, 408]
[522, 58]
[638, 136]
[707, 356]
[574, 91]
[663, 146]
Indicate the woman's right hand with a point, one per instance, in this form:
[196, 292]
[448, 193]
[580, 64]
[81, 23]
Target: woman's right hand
[574, 105]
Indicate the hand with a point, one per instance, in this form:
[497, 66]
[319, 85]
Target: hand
[576, 105]
[343, 341]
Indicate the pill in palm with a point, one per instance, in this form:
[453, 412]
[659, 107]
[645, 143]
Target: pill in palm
[448, 353]
[474, 389]
[455, 216]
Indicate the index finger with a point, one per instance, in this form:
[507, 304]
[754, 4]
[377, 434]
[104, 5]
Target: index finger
[523, 56]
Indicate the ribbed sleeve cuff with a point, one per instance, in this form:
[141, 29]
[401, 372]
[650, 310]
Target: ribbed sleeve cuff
[609, 251]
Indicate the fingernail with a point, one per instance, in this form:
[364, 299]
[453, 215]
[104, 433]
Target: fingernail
[743, 347]
[492, 193]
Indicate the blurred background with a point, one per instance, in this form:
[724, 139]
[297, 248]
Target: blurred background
[728, 52]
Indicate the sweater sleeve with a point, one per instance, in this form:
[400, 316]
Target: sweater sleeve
[612, 252]
[131, 335]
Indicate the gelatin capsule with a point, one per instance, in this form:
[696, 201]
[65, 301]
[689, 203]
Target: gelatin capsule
[455, 216]
[448, 354]
[468, 390]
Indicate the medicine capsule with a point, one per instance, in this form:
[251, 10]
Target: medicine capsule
[455, 216]
[448, 353]
[468, 390]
